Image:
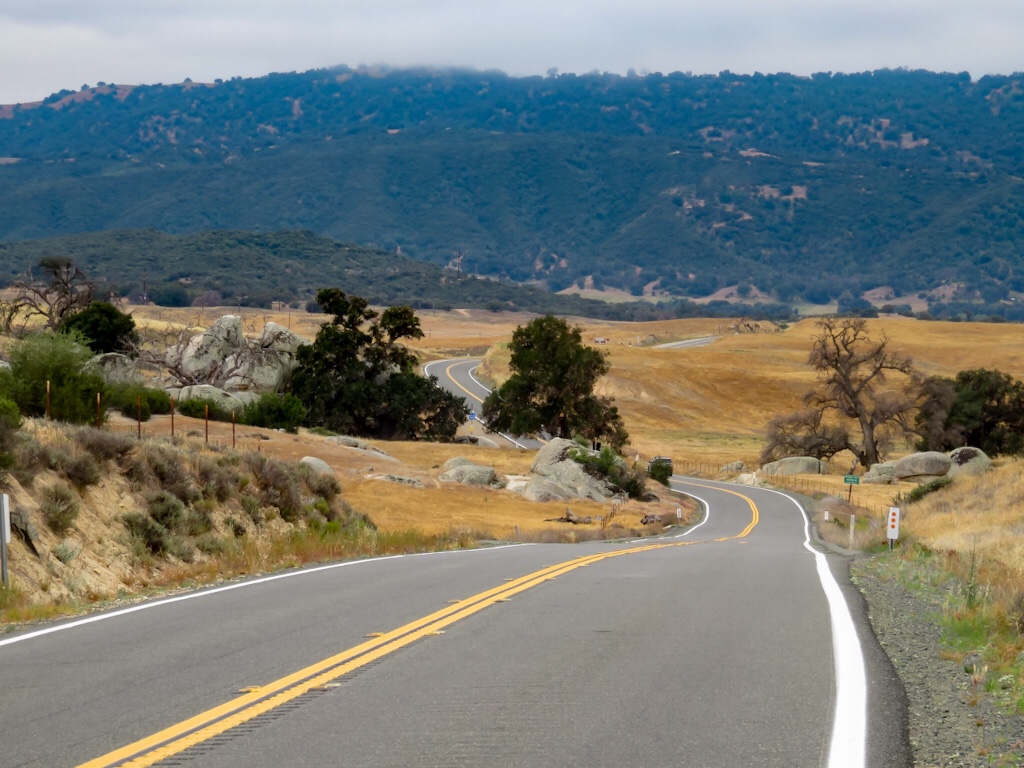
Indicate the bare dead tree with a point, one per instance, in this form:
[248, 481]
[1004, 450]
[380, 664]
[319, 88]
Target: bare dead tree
[866, 397]
[804, 433]
[60, 290]
[11, 311]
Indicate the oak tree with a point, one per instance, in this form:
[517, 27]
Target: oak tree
[356, 378]
[867, 395]
[551, 388]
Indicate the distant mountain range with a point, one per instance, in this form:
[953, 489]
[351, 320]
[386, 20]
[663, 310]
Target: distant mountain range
[805, 188]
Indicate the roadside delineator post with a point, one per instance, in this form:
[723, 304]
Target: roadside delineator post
[5, 532]
[892, 526]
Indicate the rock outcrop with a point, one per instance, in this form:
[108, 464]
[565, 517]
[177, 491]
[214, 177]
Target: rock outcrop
[796, 465]
[470, 474]
[564, 477]
[221, 356]
[116, 368]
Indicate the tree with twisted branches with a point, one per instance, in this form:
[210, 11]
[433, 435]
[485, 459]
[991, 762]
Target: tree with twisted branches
[866, 397]
[62, 290]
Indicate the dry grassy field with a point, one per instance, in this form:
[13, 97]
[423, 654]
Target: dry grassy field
[704, 406]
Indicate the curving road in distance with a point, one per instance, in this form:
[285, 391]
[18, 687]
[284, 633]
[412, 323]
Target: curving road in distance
[457, 376]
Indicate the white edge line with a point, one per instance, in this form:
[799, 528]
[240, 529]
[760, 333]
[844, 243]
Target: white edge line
[849, 725]
[478, 382]
[707, 510]
[228, 587]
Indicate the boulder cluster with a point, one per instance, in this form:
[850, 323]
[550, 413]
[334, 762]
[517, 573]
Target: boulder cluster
[916, 468]
[554, 476]
[929, 465]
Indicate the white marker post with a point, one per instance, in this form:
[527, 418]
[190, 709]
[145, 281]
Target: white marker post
[5, 532]
[892, 528]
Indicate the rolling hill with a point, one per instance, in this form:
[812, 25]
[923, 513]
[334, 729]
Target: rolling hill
[806, 188]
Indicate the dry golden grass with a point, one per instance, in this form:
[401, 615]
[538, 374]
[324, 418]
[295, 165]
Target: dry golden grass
[711, 404]
[983, 514]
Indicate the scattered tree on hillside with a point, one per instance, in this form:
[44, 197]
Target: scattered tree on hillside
[356, 378]
[105, 327]
[981, 408]
[551, 388]
[61, 290]
[866, 396]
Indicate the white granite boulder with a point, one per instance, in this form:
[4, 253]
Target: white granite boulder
[317, 465]
[923, 466]
[969, 461]
[796, 465]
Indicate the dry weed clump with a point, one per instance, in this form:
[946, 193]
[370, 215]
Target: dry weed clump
[59, 508]
[104, 445]
[278, 485]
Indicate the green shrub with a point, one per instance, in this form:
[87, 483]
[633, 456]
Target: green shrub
[660, 471]
[195, 407]
[608, 464]
[63, 360]
[83, 470]
[104, 327]
[10, 423]
[252, 508]
[168, 466]
[218, 480]
[199, 519]
[236, 527]
[274, 411]
[322, 483]
[126, 398]
[59, 508]
[278, 487]
[923, 490]
[212, 544]
[166, 509]
[153, 536]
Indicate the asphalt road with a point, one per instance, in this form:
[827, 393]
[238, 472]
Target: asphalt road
[731, 644]
[703, 341]
[457, 376]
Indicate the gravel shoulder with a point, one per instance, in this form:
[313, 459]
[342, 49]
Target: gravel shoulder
[953, 721]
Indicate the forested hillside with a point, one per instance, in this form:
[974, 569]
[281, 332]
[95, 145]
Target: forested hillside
[803, 187]
[256, 269]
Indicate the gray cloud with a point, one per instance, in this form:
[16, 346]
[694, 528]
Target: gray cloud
[47, 45]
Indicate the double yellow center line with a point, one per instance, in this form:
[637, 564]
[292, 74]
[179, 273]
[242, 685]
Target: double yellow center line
[213, 722]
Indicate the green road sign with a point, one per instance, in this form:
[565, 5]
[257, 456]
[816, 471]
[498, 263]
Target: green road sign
[851, 480]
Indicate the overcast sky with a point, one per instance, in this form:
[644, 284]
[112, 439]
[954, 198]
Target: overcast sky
[49, 45]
